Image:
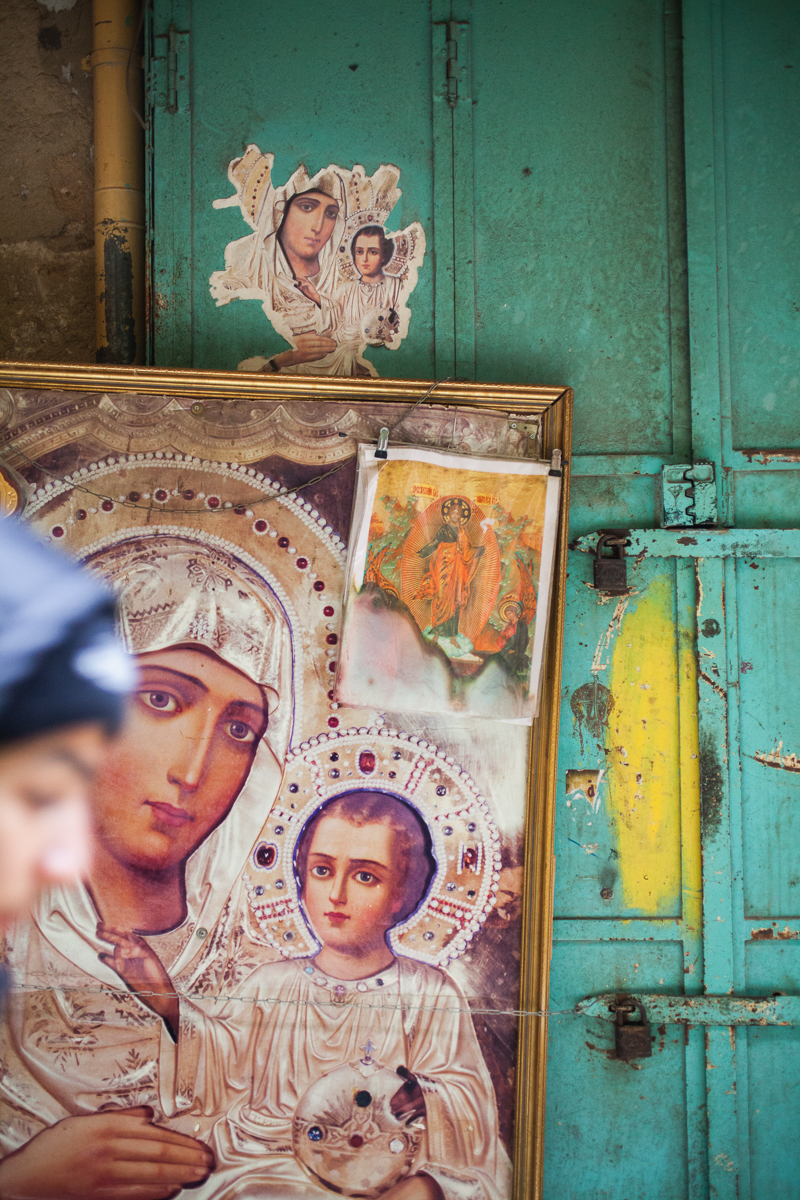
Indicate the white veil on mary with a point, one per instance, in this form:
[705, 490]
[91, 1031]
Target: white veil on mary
[175, 590]
[256, 266]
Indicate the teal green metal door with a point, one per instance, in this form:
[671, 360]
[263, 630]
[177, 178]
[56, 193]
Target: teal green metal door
[680, 888]
[610, 202]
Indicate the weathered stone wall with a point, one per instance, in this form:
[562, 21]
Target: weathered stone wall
[46, 182]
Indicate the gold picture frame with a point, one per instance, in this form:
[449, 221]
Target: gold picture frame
[45, 408]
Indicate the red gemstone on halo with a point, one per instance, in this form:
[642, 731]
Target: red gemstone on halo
[58, 531]
[213, 501]
[356, 1141]
[107, 505]
[333, 722]
[302, 563]
[162, 495]
[328, 610]
[366, 762]
[319, 586]
[260, 526]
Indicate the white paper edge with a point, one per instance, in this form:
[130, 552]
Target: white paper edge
[367, 476]
[546, 570]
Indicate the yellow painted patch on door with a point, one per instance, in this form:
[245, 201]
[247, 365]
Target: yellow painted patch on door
[643, 759]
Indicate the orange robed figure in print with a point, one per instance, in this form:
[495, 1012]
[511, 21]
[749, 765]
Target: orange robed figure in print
[453, 563]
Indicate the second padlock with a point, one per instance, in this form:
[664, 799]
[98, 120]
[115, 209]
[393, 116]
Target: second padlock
[632, 1039]
[611, 570]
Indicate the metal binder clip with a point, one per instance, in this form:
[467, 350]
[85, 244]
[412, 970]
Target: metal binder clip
[381, 450]
[555, 463]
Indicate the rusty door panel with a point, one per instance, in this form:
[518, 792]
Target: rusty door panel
[769, 670]
[760, 81]
[620, 1128]
[577, 121]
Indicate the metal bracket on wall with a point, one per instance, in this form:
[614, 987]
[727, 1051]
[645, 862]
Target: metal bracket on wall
[689, 494]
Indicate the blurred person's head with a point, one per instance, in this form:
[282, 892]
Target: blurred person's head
[63, 681]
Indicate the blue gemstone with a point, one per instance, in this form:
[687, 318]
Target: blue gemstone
[379, 982]
[315, 1133]
[309, 970]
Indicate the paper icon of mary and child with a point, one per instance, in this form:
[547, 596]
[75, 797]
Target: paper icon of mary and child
[330, 278]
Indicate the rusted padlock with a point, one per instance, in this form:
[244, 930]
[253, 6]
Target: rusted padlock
[611, 571]
[632, 1039]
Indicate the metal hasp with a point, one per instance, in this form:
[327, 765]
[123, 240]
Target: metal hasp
[689, 494]
[700, 543]
[701, 1010]
[610, 570]
[632, 1039]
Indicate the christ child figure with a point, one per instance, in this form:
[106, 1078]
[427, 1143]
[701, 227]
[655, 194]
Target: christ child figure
[363, 863]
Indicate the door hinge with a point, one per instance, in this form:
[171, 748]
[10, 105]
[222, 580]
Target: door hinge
[452, 63]
[689, 494]
[455, 69]
[172, 70]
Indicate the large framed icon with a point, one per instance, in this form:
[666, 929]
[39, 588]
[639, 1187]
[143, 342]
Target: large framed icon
[351, 906]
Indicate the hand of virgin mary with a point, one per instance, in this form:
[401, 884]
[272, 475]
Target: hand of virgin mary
[143, 971]
[105, 1156]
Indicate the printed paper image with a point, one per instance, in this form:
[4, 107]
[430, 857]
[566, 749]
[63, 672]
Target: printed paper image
[449, 576]
[331, 278]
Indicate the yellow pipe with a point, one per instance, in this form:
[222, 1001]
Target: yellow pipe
[118, 183]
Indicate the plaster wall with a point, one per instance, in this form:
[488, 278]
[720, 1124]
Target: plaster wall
[46, 182]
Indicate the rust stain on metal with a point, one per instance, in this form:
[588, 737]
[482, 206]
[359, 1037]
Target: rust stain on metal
[769, 934]
[764, 457]
[712, 683]
[777, 759]
[687, 541]
[592, 703]
[711, 785]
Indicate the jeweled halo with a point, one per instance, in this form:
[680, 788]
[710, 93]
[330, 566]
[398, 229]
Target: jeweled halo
[226, 506]
[465, 840]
